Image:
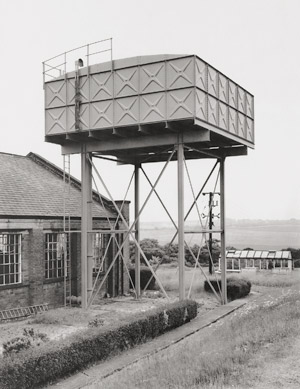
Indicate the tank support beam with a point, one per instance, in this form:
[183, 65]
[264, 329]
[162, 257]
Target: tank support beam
[180, 183]
[137, 230]
[223, 240]
[86, 225]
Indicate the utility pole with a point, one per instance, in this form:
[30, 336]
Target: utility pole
[210, 216]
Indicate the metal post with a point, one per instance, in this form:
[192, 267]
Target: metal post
[86, 225]
[137, 230]
[210, 234]
[181, 259]
[223, 240]
[90, 263]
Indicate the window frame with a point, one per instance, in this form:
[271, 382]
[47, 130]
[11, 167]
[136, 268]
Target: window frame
[16, 253]
[54, 255]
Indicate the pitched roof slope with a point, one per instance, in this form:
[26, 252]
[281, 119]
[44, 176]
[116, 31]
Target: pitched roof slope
[32, 186]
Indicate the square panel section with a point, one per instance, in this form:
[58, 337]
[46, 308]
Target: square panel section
[180, 73]
[153, 107]
[180, 104]
[126, 82]
[126, 111]
[152, 77]
[55, 94]
[201, 74]
[101, 114]
[101, 85]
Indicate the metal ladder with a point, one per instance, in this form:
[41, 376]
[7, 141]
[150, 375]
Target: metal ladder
[67, 229]
[17, 313]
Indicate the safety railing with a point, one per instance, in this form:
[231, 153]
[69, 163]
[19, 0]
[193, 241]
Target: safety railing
[65, 62]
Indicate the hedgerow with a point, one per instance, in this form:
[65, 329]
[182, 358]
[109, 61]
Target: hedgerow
[236, 287]
[38, 366]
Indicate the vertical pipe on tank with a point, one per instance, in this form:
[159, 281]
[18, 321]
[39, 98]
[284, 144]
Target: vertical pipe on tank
[137, 230]
[180, 183]
[223, 240]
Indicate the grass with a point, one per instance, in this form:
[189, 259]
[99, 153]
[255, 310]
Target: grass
[62, 316]
[216, 358]
[169, 277]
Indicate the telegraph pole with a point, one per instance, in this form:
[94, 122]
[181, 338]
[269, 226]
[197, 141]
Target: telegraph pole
[211, 224]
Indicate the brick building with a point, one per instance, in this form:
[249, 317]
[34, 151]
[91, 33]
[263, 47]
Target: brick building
[37, 260]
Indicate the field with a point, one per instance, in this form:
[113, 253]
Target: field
[259, 236]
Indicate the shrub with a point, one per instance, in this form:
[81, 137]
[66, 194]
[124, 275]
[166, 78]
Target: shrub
[296, 263]
[146, 274]
[20, 343]
[97, 322]
[236, 287]
[38, 366]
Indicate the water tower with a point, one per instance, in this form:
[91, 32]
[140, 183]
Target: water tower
[157, 108]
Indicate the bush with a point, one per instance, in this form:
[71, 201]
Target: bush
[146, 274]
[296, 263]
[20, 343]
[236, 287]
[39, 366]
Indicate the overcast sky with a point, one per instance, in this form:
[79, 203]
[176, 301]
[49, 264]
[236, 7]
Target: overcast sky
[254, 42]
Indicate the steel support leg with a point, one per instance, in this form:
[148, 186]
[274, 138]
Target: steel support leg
[223, 229]
[180, 182]
[137, 230]
[86, 225]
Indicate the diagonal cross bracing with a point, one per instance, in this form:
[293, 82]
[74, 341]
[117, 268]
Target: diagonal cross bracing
[132, 226]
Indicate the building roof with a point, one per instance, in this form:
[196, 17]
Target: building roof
[31, 186]
[258, 254]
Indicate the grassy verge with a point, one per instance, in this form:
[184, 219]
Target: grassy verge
[216, 357]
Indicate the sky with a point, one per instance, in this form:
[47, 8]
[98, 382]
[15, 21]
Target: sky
[254, 42]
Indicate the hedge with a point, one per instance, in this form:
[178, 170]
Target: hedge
[236, 287]
[146, 274]
[41, 365]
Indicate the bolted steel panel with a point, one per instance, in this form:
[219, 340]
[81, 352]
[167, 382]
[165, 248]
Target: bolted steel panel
[55, 121]
[249, 105]
[55, 94]
[180, 104]
[152, 77]
[201, 74]
[201, 105]
[180, 73]
[241, 100]
[232, 121]
[153, 107]
[241, 125]
[126, 111]
[212, 80]
[101, 114]
[223, 116]
[101, 85]
[212, 105]
[249, 129]
[232, 94]
[126, 82]
[223, 88]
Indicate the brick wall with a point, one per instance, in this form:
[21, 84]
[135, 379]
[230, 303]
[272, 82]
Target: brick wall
[34, 289]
